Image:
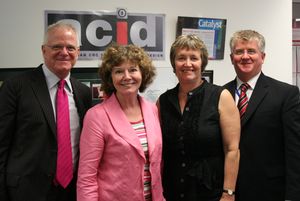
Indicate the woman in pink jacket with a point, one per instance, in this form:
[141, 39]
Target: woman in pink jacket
[121, 143]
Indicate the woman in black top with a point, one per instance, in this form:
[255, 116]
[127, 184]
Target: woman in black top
[201, 130]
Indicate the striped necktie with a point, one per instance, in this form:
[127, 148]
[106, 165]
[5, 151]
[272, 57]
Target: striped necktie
[243, 100]
[64, 166]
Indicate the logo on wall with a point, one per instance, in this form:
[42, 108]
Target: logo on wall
[97, 30]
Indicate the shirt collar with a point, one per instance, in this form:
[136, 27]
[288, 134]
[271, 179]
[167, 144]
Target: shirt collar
[251, 82]
[52, 79]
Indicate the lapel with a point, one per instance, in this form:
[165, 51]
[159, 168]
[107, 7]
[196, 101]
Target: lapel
[150, 125]
[40, 89]
[121, 124]
[259, 93]
[78, 101]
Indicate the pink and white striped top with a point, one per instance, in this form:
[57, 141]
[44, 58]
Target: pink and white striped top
[140, 130]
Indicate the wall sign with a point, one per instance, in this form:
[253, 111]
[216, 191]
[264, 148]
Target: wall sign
[98, 29]
[212, 31]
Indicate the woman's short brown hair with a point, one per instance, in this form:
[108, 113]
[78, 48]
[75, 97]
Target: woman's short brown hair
[189, 42]
[116, 55]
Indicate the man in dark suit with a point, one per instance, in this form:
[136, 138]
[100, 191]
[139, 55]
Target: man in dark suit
[270, 127]
[28, 136]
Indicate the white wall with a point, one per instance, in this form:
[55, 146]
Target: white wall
[22, 26]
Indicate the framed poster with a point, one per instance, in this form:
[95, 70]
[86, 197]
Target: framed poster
[211, 30]
[88, 76]
[99, 29]
[208, 75]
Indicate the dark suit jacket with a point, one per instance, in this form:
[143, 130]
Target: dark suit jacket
[28, 147]
[270, 143]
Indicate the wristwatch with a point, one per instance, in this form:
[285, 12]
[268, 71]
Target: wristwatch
[229, 192]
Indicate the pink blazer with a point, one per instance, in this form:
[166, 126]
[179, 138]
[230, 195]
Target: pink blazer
[111, 156]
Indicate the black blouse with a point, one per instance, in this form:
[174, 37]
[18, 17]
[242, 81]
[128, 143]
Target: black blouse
[192, 145]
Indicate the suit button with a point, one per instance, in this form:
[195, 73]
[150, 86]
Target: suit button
[51, 176]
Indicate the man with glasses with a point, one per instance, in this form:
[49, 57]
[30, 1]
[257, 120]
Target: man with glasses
[32, 160]
[270, 125]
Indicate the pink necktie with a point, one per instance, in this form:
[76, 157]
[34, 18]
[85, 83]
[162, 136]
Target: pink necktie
[64, 166]
[243, 100]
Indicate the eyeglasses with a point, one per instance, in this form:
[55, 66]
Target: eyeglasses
[243, 51]
[56, 48]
